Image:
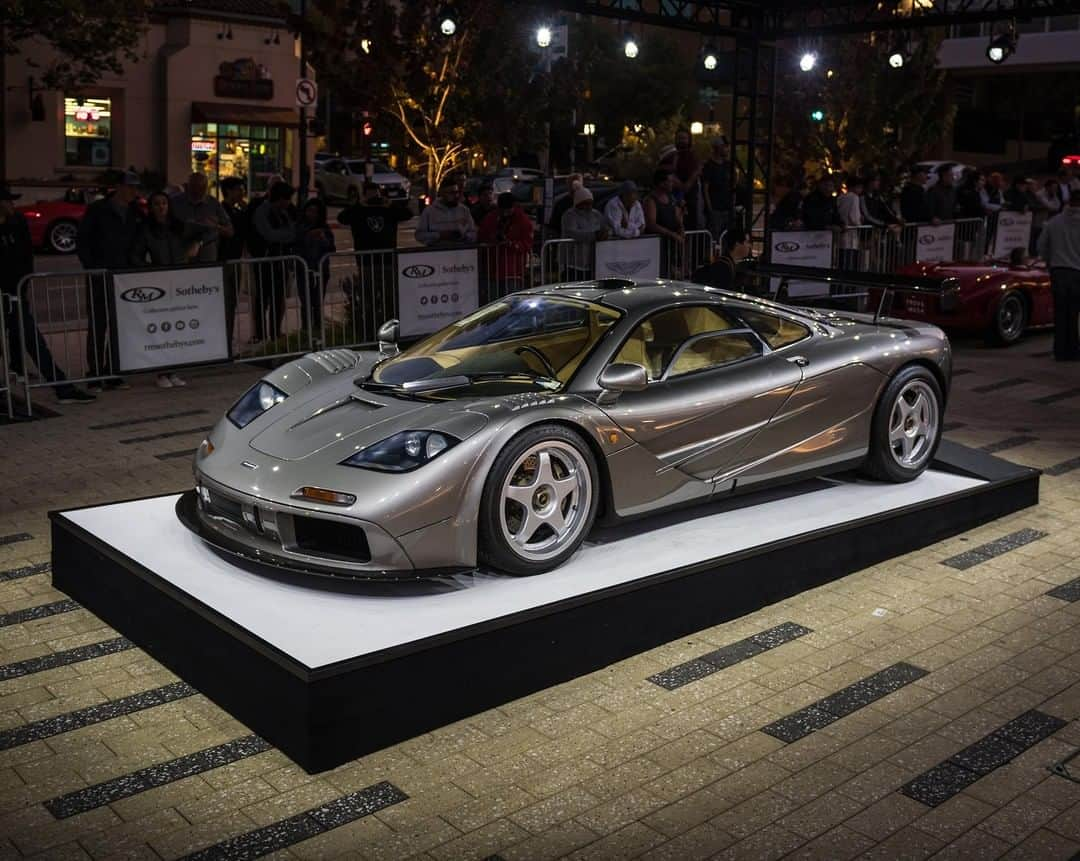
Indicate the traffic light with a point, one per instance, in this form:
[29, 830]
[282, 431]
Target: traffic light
[817, 115]
[367, 128]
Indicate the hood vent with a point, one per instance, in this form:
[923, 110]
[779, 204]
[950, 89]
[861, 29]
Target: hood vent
[335, 361]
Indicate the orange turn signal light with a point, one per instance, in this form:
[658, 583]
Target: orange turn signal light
[321, 494]
[208, 447]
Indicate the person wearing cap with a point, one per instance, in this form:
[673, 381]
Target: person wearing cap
[716, 184]
[584, 225]
[1059, 246]
[16, 262]
[485, 202]
[624, 213]
[447, 219]
[106, 238]
[510, 231]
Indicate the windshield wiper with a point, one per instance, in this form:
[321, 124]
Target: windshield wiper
[413, 387]
[510, 375]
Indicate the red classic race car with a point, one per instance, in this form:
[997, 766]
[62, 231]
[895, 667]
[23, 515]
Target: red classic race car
[996, 299]
[54, 224]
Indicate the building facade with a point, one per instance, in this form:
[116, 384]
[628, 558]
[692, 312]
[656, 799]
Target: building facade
[214, 92]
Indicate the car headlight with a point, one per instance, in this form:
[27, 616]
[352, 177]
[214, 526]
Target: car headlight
[254, 402]
[403, 451]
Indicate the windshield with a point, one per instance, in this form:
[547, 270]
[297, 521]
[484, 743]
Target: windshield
[520, 343]
[377, 167]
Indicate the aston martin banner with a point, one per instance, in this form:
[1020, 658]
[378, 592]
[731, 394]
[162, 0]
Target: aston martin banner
[1013, 231]
[628, 258]
[169, 317]
[436, 288]
[934, 244]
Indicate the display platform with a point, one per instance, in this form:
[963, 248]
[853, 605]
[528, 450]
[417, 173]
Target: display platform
[328, 673]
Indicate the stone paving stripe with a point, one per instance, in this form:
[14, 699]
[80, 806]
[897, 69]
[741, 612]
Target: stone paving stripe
[176, 455]
[1000, 384]
[15, 538]
[992, 751]
[94, 714]
[1063, 467]
[287, 832]
[25, 571]
[1045, 354]
[728, 655]
[855, 696]
[976, 555]
[165, 435]
[101, 794]
[1058, 396]
[959, 372]
[41, 611]
[147, 419]
[951, 426]
[1067, 591]
[62, 659]
[1008, 442]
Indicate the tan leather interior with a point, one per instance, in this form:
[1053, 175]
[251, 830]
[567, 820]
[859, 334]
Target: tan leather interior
[654, 343]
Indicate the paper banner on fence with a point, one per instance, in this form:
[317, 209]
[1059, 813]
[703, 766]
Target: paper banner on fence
[169, 317]
[436, 288]
[628, 258]
[1013, 231]
[935, 244]
[812, 248]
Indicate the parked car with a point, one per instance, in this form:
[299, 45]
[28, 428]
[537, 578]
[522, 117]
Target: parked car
[343, 179]
[54, 224]
[500, 439]
[519, 173]
[932, 168]
[995, 298]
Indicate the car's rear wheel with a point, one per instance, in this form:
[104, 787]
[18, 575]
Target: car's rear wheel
[61, 236]
[1010, 319]
[539, 502]
[906, 427]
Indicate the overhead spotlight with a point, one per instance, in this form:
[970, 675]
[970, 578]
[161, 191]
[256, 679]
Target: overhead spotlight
[630, 49]
[807, 61]
[1002, 46]
[447, 22]
[543, 37]
[896, 60]
[365, 45]
[697, 127]
[709, 58]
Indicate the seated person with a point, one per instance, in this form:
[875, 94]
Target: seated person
[734, 248]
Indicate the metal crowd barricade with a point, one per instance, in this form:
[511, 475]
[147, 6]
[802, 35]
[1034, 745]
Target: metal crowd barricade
[359, 294]
[5, 363]
[969, 240]
[277, 307]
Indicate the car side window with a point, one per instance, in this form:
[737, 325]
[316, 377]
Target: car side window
[656, 340]
[774, 330]
[713, 351]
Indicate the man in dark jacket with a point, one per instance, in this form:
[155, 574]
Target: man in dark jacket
[913, 205]
[819, 206]
[16, 262]
[274, 228]
[231, 248]
[941, 199]
[106, 236]
[786, 213]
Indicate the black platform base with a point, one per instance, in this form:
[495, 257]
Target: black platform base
[326, 716]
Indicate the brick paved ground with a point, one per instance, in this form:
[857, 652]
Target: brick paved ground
[610, 765]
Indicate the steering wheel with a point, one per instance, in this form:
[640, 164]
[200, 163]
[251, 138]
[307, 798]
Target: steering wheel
[527, 348]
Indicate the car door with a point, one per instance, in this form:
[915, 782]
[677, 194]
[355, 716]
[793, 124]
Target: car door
[713, 385]
[331, 178]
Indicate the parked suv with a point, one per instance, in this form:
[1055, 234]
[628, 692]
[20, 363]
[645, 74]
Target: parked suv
[343, 179]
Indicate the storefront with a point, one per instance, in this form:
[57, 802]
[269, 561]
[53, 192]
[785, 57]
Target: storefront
[237, 141]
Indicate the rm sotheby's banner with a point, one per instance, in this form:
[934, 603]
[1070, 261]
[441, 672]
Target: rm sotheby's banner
[934, 244]
[802, 248]
[436, 288]
[169, 317]
[628, 258]
[1013, 231]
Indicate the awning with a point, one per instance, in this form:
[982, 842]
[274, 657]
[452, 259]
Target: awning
[240, 114]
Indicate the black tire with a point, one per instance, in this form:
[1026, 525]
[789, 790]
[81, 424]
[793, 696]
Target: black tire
[60, 237]
[881, 463]
[494, 549]
[1009, 321]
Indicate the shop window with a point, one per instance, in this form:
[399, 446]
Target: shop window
[88, 132]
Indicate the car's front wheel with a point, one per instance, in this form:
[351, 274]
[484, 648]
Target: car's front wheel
[906, 427]
[1010, 319]
[62, 236]
[539, 501]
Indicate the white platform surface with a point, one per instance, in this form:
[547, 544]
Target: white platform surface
[317, 626]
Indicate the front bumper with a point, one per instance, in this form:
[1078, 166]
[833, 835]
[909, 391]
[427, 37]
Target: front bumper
[295, 538]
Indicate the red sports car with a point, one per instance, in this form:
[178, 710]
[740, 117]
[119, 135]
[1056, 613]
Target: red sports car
[995, 298]
[54, 224]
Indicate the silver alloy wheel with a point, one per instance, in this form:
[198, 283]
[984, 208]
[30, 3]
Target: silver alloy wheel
[545, 500]
[913, 424]
[62, 237]
[1010, 317]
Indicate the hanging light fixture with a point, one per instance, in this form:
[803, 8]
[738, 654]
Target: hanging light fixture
[543, 37]
[1002, 46]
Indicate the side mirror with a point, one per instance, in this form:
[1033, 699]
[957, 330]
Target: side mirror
[622, 377]
[389, 332]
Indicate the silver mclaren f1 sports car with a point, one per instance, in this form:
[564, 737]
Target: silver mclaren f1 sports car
[500, 440]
